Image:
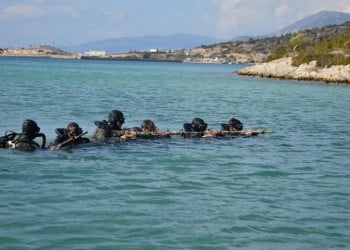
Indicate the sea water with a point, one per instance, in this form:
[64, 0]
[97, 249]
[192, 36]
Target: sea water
[289, 189]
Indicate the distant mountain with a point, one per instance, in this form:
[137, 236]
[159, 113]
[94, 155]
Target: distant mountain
[319, 19]
[144, 43]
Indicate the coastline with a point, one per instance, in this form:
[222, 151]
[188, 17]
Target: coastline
[283, 69]
[280, 69]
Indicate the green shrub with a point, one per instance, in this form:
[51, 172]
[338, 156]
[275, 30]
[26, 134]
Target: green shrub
[277, 54]
[323, 52]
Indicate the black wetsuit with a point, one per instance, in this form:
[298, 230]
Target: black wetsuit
[191, 132]
[24, 142]
[62, 136]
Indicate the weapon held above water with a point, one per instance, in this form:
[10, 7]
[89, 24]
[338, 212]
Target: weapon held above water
[167, 133]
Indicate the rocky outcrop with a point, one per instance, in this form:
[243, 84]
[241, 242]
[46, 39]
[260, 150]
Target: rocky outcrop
[222, 54]
[37, 51]
[283, 69]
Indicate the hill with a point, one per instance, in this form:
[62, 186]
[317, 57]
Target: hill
[309, 58]
[258, 50]
[144, 43]
[37, 51]
[320, 19]
[245, 50]
[320, 54]
[322, 25]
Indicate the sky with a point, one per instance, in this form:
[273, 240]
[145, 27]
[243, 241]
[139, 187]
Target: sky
[72, 22]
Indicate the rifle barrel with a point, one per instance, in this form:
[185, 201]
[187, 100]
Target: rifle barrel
[246, 132]
[71, 139]
[214, 132]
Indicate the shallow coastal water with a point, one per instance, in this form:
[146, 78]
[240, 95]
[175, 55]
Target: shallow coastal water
[289, 189]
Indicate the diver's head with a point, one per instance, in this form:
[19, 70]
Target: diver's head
[198, 125]
[116, 118]
[73, 129]
[30, 128]
[235, 124]
[148, 125]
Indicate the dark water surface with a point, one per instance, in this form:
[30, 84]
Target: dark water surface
[289, 189]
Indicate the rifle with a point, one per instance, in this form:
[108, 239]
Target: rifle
[244, 132]
[207, 133]
[213, 133]
[69, 140]
[128, 134]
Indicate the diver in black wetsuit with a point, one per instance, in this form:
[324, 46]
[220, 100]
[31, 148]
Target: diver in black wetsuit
[146, 126]
[149, 130]
[232, 125]
[25, 140]
[72, 135]
[196, 128]
[111, 128]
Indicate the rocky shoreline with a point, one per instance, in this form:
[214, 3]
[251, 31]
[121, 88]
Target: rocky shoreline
[283, 69]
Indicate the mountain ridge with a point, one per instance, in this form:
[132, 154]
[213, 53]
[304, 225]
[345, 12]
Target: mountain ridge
[180, 41]
[176, 41]
[319, 19]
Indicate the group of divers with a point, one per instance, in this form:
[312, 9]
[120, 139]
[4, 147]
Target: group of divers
[73, 135]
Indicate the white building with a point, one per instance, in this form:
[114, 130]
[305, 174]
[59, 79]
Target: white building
[95, 53]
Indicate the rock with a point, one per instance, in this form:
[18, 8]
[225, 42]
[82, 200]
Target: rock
[283, 69]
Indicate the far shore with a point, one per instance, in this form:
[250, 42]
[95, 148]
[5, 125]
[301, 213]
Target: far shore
[280, 69]
[70, 56]
[283, 69]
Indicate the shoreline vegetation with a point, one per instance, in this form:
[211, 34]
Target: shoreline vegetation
[308, 57]
[318, 54]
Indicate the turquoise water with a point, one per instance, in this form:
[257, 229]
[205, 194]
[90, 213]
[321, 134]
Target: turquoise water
[289, 189]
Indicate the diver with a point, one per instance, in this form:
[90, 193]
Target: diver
[72, 135]
[232, 125]
[197, 125]
[148, 129]
[146, 126]
[197, 128]
[111, 128]
[25, 140]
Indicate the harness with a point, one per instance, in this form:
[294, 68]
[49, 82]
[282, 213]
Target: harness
[9, 135]
[22, 141]
[108, 129]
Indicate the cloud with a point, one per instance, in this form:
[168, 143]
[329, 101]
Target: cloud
[239, 17]
[21, 11]
[110, 14]
[227, 17]
[36, 9]
[117, 15]
[226, 6]
[63, 9]
[281, 10]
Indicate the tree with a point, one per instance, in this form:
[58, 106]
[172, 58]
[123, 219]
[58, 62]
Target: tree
[298, 42]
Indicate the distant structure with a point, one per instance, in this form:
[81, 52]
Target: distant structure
[95, 53]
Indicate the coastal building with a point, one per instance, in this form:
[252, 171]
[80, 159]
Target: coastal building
[95, 53]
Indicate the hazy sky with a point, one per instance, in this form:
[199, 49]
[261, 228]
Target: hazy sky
[70, 22]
